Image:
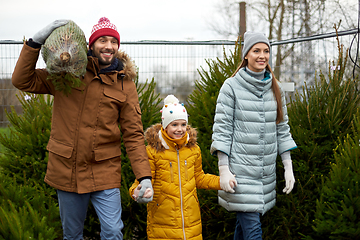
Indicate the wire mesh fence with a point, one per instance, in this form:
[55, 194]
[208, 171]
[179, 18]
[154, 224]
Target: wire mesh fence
[174, 65]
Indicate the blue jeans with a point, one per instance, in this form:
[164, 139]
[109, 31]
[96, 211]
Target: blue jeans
[73, 208]
[248, 226]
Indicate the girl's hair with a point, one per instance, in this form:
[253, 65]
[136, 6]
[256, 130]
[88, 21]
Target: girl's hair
[275, 88]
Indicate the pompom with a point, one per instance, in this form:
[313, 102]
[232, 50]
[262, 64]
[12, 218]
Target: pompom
[103, 19]
[171, 99]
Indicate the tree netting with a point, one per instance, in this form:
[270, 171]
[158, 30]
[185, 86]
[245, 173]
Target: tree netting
[65, 55]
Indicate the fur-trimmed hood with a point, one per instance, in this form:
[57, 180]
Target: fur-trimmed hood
[154, 140]
[128, 65]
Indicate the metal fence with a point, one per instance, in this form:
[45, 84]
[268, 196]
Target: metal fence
[174, 65]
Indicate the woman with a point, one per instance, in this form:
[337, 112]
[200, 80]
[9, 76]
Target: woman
[250, 129]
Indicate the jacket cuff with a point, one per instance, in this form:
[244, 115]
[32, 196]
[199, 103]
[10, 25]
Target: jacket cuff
[147, 177]
[33, 44]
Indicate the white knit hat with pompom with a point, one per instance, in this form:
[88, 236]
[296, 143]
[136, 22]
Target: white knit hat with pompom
[172, 110]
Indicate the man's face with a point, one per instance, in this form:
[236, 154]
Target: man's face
[105, 49]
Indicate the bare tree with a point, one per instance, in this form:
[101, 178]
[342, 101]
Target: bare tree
[286, 19]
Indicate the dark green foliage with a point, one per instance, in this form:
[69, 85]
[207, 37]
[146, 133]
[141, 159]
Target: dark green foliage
[217, 222]
[28, 205]
[27, 211]
[3, 131]
[338, 209]
[134, 214]
[25, 146]
[25, 154]
[62, 82]
[149, 103]
[318, 116]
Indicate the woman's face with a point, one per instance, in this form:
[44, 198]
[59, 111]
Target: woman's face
[258, 57]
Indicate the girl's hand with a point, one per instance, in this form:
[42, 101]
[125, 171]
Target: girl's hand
[136, 192]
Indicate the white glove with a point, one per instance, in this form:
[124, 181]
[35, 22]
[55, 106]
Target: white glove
[227, 179]
[146, 191]
[288, 174]
[44, 33]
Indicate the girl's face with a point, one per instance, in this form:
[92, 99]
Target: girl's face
[176, 129]
[258, 57]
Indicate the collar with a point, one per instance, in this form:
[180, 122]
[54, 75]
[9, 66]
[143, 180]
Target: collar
[175, 143]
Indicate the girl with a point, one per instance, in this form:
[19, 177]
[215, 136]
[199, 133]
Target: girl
[175, 160]
[250, 130]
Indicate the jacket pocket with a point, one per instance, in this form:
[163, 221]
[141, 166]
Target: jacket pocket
[114, 93]
[59, 148]
[107, 152]
[138, 109]
[164, 211]
[171, 172]
[193, 207]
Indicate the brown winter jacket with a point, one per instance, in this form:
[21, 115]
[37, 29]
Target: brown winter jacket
[174, 212]
[84, 146]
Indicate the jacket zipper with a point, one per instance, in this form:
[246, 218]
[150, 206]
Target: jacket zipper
[181, 197]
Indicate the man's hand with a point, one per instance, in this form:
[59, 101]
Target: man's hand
[41, 36]
[146, 191]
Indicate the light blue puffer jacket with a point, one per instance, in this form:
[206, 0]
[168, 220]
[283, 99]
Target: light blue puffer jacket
[245, 129]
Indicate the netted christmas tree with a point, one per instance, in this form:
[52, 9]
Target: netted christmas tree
[65, 55]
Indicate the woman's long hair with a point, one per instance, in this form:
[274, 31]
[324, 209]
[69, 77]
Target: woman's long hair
[274, 86]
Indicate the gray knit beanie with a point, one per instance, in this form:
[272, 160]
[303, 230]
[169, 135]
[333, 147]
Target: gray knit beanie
[252, 38]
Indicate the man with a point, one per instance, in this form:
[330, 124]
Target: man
[84, 145]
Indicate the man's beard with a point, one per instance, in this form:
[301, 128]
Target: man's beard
[103, 62]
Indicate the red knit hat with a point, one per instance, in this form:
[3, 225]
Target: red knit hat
[103, 28]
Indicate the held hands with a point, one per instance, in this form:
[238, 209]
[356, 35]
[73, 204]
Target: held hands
[289, 176]
[227, 179]
[43, 34]
[144, 192]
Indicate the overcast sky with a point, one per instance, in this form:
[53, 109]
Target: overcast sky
[135, 19]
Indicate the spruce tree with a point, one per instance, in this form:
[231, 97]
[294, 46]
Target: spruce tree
[28, 205]
[25, 160]
[217, 223]
[318, 116]
[27, 211]
[134, 214]
[25, 151]
[338, 209]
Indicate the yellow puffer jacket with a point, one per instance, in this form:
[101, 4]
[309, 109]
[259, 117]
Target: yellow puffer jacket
[174, 212]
